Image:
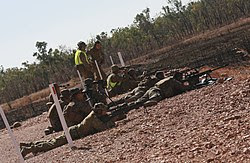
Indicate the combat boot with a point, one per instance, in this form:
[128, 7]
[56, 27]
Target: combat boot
[26, 150]
[22, 144]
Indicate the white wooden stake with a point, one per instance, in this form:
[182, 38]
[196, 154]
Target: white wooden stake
[97, 66]
[11, 135]
[121, 59]
[98, 69]
[59, 111]
[80, 77]
[111, 59]
[90, 104]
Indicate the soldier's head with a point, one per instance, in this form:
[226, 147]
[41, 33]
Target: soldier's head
[114, 69]
[159, 75]
[97, 45]
[81, 45]
[65, 95]
[100, 109]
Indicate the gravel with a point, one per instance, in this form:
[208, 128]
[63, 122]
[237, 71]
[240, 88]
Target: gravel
[210, 124]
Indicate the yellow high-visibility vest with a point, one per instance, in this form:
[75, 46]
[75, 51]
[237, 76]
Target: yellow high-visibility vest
[78, 59]
[110, 84]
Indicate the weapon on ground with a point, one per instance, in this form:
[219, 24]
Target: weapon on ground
[194, 78]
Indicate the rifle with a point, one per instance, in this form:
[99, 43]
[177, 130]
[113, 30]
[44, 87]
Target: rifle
[154, 71]
[193, 78]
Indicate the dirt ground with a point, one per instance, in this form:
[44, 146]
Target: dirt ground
[210, 124]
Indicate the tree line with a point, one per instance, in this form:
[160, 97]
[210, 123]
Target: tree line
[144, 35]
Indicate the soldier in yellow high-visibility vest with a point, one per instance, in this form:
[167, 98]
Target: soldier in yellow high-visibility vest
[117, 83]
[83, 61]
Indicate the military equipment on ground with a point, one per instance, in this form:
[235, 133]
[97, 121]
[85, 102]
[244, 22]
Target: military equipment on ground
[194, 78]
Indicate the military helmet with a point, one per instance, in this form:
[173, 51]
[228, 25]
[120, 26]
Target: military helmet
[81, 44]
[114, 68]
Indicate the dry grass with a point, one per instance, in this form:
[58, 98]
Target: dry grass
[34, 97]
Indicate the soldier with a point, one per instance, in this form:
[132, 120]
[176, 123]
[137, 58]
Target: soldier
[76, 110]
[143, 86]
[53, 115]
[96, 121]
[83, 61]
[141, 89]
[97, 54]
[165, 88]
[94, 93]
[117, 83]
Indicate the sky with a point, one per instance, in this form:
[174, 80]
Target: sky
[62, 22]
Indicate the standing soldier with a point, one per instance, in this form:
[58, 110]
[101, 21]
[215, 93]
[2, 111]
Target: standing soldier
[97, 54]
[83, 61]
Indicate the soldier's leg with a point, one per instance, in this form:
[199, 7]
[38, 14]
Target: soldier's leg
[56, 124]
[134, 97]
[154, 98]
[44, 145]
[144, 98]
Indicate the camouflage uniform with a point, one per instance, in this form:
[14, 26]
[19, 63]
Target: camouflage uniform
[93, 123]
[141, 89]
[118, 84]
[165, 88]
[98, 55]
[53, 115]
[75, 112]
[54, 118]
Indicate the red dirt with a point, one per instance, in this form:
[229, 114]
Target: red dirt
[210, 124]
[205, 125]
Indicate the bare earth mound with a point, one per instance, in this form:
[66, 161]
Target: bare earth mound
[208, 124]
